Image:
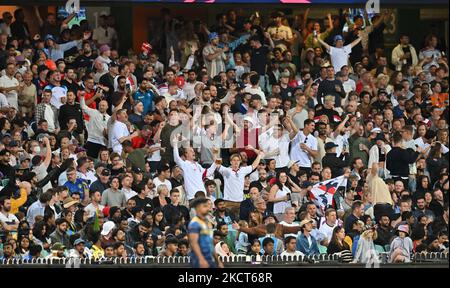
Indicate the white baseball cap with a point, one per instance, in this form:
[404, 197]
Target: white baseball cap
[107, 227]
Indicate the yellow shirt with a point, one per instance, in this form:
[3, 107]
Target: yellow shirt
[97, 252]
[17, 203]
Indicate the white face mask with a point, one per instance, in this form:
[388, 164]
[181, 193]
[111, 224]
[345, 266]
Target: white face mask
[37, 149]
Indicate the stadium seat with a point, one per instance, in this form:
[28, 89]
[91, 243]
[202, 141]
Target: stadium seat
[322, 249]
[379, 249]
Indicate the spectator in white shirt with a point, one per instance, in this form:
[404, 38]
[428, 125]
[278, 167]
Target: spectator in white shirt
[277, 146]
[163, 176]
[94, 206]
[9, 86]
[127, 181]
[104, 34]
[290, 242]
[193, 172]
[234, 178]
[330, 223]
[304, 144]
[339, 54]
[119, 131]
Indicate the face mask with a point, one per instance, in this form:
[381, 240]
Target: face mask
[37, 149]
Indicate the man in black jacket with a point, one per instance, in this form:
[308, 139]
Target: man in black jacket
[71, 110]
[384, 231]
[399, 158]
[331, 86]
[336, 164]
[174, 211]
[247, 205]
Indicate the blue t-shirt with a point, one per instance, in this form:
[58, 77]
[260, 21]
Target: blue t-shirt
[79, 186]
[146, 98]
[205, 239]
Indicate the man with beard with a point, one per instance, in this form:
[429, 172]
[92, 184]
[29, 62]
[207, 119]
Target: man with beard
[384, 231]
[70, 80]
[145, 96]
[261, 183]
[86, 58]
[137, 234]
[9, 221]
[190, 84]
[247, 205]
[71, 110]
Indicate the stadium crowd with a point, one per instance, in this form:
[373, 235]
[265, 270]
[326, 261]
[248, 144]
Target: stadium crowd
[214, 140]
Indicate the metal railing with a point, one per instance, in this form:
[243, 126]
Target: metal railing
[230, 261]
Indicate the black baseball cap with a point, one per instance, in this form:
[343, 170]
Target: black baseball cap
[105, 172]
[330, 145]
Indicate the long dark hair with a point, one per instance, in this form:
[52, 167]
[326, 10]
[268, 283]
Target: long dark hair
[419, 184]
[37, 231]
[335, 239]
[162, 224]
[435, 151]
[278, 182]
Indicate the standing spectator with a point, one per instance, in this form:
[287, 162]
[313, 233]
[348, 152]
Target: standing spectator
[430, 54]
[331, 86]
[398, 159]
[56, 51]
[304, 145]
[9, 86]
[404, 54]
[97, 126]
[71, 110]
[214, 56]
[339, 53]
[234, 181]
[104, 34]
[27, 98]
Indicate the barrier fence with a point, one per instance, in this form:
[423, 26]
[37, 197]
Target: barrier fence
[429, 259]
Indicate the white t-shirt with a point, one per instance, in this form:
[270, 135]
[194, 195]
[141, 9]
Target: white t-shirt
[158, 182]
[296, 253]
[339, 56]
[298, 154]
[119, 130]
[234, 182]
[9, 219]
[282, 143]
[91, 209]
[58, 92]
[129, 193]
[156, 156]
[49, 115]
[90, 176]
[349, 86]
[11, 96]
[327, 230]
[280, 207]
